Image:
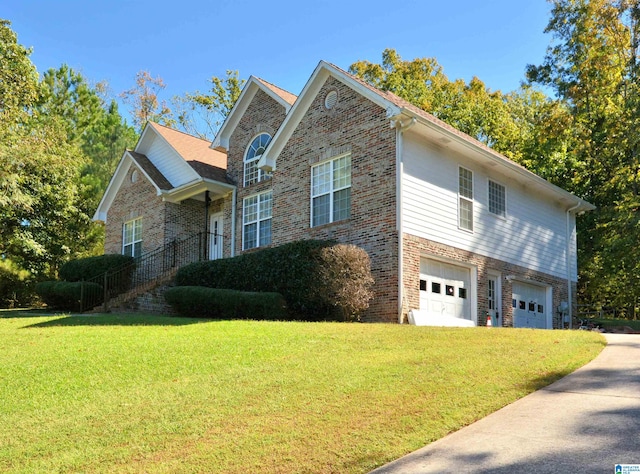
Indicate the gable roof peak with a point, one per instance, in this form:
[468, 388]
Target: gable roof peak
[284, 94]
[189, 147]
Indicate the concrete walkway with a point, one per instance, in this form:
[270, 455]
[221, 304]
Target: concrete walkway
[587, 422]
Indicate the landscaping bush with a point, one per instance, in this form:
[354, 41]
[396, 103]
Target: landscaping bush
[92, 267]
[319, 280]
[66, 295]
[201, 302]
[16, 285]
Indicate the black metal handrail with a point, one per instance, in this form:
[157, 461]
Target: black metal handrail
[149, 268]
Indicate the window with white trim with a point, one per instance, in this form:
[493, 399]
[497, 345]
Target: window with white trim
[132, 238]
[253, 174]
[256, 220]
[465, 199]
[497, 199]
[331, 191]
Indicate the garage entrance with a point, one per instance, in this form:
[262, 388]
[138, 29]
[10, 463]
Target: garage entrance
[529, 306]
[445, 289]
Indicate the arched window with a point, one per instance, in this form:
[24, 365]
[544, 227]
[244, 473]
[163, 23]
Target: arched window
[252, 174]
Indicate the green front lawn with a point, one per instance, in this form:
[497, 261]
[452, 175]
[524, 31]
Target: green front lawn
[131, 393]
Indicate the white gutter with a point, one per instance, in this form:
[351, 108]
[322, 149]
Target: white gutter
[400, 128]
[233, 222]
[569, 285]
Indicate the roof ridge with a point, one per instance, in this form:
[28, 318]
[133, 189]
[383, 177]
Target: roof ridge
[178, 131]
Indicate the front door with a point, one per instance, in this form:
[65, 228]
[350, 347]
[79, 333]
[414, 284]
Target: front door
[493, 299]
[215, 236]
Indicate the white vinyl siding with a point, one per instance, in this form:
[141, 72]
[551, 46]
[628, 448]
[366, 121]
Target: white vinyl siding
[169, 163]
[331, 191]
[534, 235]
[132, 238]
[256, 220]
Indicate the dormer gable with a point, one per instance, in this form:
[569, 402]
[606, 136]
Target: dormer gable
[251, 88]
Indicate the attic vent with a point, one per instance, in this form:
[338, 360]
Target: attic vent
[134, 176]
[331, 100]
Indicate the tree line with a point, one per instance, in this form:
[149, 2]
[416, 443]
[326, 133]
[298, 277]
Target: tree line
[61, 138]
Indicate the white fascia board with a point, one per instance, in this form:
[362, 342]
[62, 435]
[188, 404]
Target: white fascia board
[253, 84]
[112, 188]
[144, 137]
[320, 75]
[116, 181]
[186, 168]
[196, 187]
[509, 167]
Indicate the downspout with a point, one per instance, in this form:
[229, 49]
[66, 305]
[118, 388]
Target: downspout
[400, 128]
[569, 286]
[207, 200]
[233, 222]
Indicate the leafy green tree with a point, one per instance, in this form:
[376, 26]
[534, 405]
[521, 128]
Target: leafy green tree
[201, 114]
[18, 76]
[592, 64]
[470, 107]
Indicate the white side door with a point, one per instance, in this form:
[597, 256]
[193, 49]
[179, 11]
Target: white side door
[215, 236]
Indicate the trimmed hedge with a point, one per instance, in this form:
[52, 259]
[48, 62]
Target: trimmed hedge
[92, 267]
[319, 280]
[201, 302]
[66, 295]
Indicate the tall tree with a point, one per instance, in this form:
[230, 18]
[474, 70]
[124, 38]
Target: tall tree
[592, 64]
[145, 103]
[201, 114]
[470, 107]
[18, 76]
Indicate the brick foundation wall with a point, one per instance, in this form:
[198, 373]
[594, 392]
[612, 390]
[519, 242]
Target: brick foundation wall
[416, 248]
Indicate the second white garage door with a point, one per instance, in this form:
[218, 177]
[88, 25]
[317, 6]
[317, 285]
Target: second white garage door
[445, 289]
[529, 306]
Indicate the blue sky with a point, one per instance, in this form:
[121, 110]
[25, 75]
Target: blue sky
[186, 42]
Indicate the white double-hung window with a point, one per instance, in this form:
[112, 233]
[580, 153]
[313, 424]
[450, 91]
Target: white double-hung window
[132, 238]
[497, 199]
[331, 191]
[465, 199]
[256, 220]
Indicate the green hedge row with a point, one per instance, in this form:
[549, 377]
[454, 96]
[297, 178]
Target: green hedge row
[92, 267]
[319, 280]
[67, 295]
[201, 302]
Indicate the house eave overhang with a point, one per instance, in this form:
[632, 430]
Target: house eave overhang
[196, 190]
[116, 181]
[251, 88]
[489, 159]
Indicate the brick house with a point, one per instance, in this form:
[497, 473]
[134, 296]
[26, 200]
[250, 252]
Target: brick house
[456, 232]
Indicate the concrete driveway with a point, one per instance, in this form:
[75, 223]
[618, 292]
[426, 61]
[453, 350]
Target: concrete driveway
[587, 422]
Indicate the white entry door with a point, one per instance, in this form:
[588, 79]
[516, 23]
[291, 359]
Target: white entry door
[445, 289]
[529, 306]
[215, 237]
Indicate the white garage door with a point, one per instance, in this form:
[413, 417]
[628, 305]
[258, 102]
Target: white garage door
[529, 306]
[445, 289]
